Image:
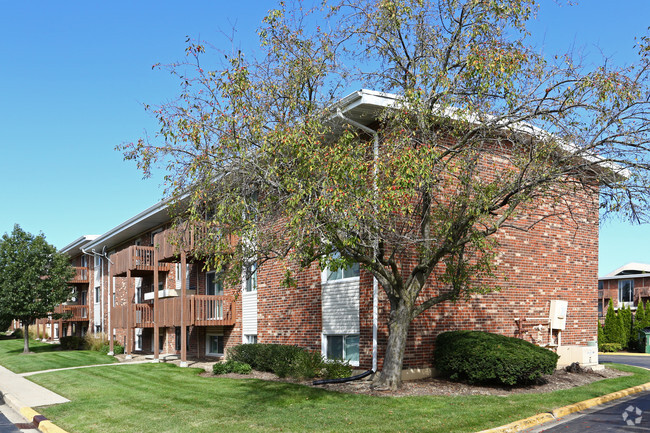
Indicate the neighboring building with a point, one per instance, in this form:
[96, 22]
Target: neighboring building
[625, 286]
[138, 286]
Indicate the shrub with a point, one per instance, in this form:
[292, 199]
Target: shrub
[307, 365]
[610, 347]
[95, 341]
[118, 349]
[231, 366]
[337, 369]
[625, 314]
[18, 333]
[613, 329]
[71, 342]
[482, 357]
[274, 358]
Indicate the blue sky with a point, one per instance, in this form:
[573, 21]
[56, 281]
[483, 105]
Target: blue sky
[74, 76]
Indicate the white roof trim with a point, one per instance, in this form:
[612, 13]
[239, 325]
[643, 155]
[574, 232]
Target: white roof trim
[632, 266]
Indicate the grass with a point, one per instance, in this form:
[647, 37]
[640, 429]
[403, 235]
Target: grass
[166, 398]
[45, 356]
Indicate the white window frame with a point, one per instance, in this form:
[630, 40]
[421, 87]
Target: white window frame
[622, 302]
[97, 294]
[325, 273]
[250, 338]
[250, 284]
[325, 338]
[207, 344]
[139, 339]
[215, 278]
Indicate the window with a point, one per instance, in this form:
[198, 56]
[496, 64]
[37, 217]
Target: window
[601, 285]
[84, 298]
[345, 347]
[251, 339]
[214, 345]
[251, 282]
[84, 261]
[98, 262]
[98, 295]
[138, 339]
[177, 332]
[342, 273]
[625, 292]
[213, 284]
[98, 329]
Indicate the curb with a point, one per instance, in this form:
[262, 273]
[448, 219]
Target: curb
[622, 354]
[43, 424]
[560, 412]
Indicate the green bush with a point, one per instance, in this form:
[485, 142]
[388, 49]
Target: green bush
[18, 333]
[482, 357]
[610, 347]
[231, 366]
[71, 342]
[118, 349]
[307, 365]
[337, 369]
[274, 358]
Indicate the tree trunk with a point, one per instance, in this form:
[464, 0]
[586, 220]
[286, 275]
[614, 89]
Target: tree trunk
[26, 336]
[398, 328]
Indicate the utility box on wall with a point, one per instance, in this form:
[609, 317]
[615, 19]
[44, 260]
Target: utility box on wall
[558, 314]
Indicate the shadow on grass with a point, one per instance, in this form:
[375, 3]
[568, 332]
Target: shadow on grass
[46, 348]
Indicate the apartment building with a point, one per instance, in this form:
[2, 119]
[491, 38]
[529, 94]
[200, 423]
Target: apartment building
[156, 300]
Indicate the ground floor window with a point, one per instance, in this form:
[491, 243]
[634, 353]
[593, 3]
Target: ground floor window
[177, 332]
[214, 345]
[251, 339]
[138, 338]
[345, 347]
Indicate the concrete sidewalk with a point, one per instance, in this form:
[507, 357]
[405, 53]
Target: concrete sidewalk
[25, 392]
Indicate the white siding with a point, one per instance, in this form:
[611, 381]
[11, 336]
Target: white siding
[340, 307]
[249, 313]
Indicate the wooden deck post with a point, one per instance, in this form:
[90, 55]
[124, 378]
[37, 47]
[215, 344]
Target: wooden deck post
[156, 315]
[111, 288]
[183, 312]
[129, 307]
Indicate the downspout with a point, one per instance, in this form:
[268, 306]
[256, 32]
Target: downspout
[375, 246]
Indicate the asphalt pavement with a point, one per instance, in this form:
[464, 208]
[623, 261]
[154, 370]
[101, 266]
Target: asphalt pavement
[631, 414]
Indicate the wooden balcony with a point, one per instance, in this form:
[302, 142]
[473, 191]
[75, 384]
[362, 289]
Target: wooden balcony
[200, 310]
[137, 259]
[169, 242]
[75, 313]
[80, 276]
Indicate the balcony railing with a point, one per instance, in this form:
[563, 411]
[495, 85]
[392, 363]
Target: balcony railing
[169, 242]
[135, 258]
[73, 313]
[200, 310]
[80, 275]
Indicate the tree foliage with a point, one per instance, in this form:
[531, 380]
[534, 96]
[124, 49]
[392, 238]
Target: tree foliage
[480, 129]
[33, 278]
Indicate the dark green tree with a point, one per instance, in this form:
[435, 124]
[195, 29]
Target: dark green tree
[612, 330]
[639, 323]
[625, 315]
[33, 278]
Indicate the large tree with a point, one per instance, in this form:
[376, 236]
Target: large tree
[481, 130]
[33, 278]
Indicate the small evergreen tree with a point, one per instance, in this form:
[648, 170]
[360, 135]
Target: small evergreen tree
[612, 330]
[640, 321]
[601, 337]
[625, 315]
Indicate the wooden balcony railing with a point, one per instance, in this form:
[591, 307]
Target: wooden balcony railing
[80, 276]
[78, 313]
[169, 242]
[135, 258]
[200, 310]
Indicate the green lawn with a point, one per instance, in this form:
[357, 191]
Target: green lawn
[45, 356]
[165, 398]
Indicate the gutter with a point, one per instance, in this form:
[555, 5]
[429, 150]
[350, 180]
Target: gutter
[375, 284]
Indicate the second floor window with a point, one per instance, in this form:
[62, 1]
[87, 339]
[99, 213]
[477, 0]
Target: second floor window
[626, 291]
[213, 284]
[251, 281]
